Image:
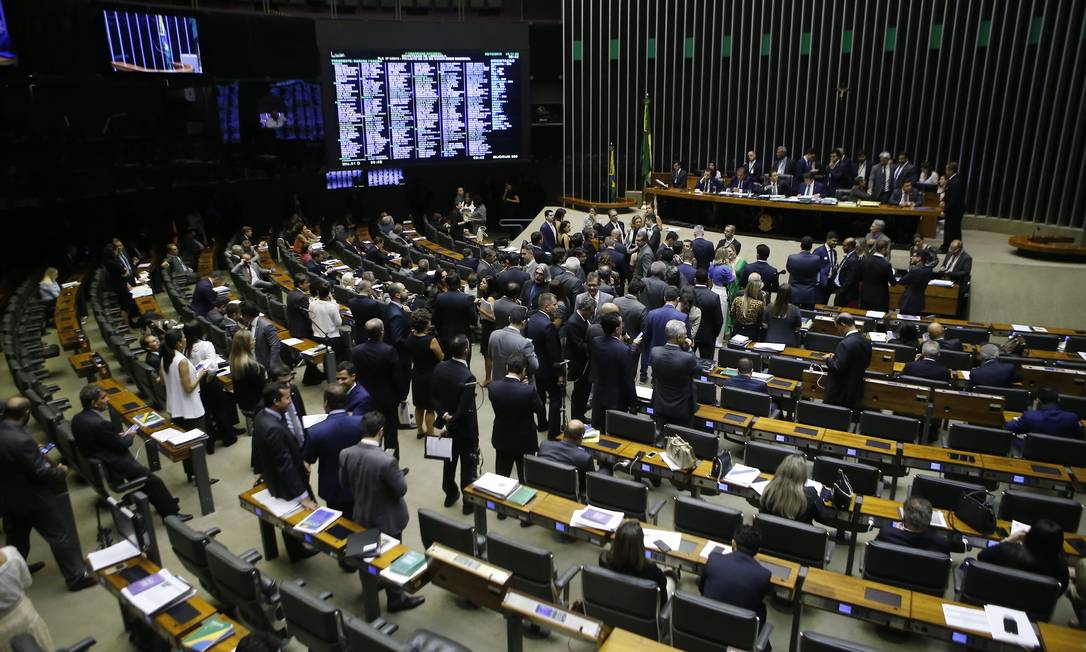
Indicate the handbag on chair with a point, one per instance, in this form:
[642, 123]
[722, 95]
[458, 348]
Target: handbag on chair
[977, 510]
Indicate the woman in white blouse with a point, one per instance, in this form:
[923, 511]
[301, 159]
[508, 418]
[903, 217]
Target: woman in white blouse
[17, 613]
[927, 175]
[220, 409]
[48, 286]
[182, 382]
[326, 319]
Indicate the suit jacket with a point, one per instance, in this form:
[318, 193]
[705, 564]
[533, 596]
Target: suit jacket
[770, 275]
[267, 344]
[203, 297]
[454, 314]
[819, 189]
[673, 372]
[176, 265]
[576, 350]
[298, 314]
[915, 282]
[954, 196]
[515, 406]
[825, 272]
[882, 176]
[994, 373]
[358, 401]
[567, 452]
[781, 166]
[804, 269]
[612, 373]
[845, 381]
[601, 298]
[380, 372]
[96, 437]
[363, 309]
[1048, 420]
[619, 259]
[655, 289]
[323, 444]
[26, 478]
[800, 167]
[847, 280]
[876, 277]
[529, 294]
[678, 179]
[276, 457]
[502, 308]
[504, 343]
[377, 484]
[544, 335]
[745, 184]
[840, 175]
[963, 268]
[549, 231]
[703, 252]
[737, 579]
[397, 328]
[712, 184]
[754, 169]
[906, 172]
[929, 540]
[452, 386]
[768, 188]
[914, 196]
[861, 169]
[513, 275]
[950, 344]
[653, 333]
[633, 314]
[749, 383]
[604, 228]
[735, 244]
[712, 316]
[645, 259]
[924, 368]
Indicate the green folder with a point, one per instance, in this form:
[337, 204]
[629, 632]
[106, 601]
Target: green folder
[209, 633]
[408, 563]
[521, 496]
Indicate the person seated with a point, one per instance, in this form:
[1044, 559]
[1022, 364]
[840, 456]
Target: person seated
[915, 531]
[936, 332]
[927, 365]
[991, 371]
[568, 450]
[744, 379]
[738, 578]
[908, 335]
[151, 344]
[1046, 418]
[929, 255]
[773, 186]
[741, 182]
[626, 555]
[809, 187]
[907, 196]
[707, 183]
[1039, 550]
[787, 494]
[859, 191]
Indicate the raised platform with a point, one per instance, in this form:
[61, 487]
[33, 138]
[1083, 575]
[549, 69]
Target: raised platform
[586, 204]
[1054, 248]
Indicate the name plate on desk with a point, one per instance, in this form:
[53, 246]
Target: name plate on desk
[552, 615]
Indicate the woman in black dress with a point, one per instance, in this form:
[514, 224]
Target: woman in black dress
[425, 353]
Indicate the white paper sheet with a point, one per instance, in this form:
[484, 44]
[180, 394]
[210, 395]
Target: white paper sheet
[597, 518]
[939, 282]
[277, 506]
[710, 546]
[876, 336]
[291, 341]
[672, 539]
[310, 420]
[938, 519]
[1025, 636]
[759, 486]
[114, 554]
[643, 393]
[974, 620]
[875, 314]
[742, 475]
[1021, 328]
[440, 447]
[768, 346]
[1017, 527]
[175, 437]
[497, 485]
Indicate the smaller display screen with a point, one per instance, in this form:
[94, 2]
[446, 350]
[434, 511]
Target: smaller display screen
[145, 42]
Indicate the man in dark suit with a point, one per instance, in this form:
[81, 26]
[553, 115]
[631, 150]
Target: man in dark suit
[827, 254]
[847, 279]
[809, 187]
[452, 386]
[357, 400]
[703, 248]
[907, 196]
[298, 308]
[770, 275]
[277, 459]
[904, 171]
[845, 368]
[744, 378]
[325, 441]
[674, 367]
[28, 500]
[773, 185]
[632, 310]
[363, 308]
[653, 331]
[173, 263]
[454, 314]
[936, 332]
[266, 344]
[549, 231]
[97, 438]
[678, 176]
[513, 272]
[876, 277]
[380, 372]
[377, 486]
[804, 268]
[514, 402]
[991, 371]
[1047, 418]
[729, 239]
[203, 297]
[707, 183]
[953, 206]
[803, 165]
[550, 378]
[608, 227]
[738, 578]
[782, 164]
[838, 172]
[957, 265]
[927, 365]
[915, 531]
[861, 169]
[742, 181]
[612, 363]
[568, 450]
[753, 166]
[576, 351]
[618, 258]
[915, 282]
[712, 315]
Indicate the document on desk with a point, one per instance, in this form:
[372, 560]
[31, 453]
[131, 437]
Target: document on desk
[114, 554]
[142, 291]
[942, 283]
[742, 475]
[759, 486]
[875, 314]
[1082, 354]
[997, 621]
[156, 592]
[713, 546]
[938, 518]
[596, 518]
[879, 337]
[671, 539]
[1021, 328]
[771, 347]
[277, 506]
[318, 520]
[291, 341]
[974, 620]
[176, 438]
[643, 393]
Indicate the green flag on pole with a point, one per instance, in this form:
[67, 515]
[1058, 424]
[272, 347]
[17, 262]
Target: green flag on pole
[612, 181]
[646, 146]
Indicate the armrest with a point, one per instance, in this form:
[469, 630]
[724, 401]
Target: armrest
[85, 644]
[830, 545]
[654, 510]
[325, 595]
[131, 485]
[959, 573]
[665, 614]
[250, 556]
[561, 583]
[762, 642]
[213, 531]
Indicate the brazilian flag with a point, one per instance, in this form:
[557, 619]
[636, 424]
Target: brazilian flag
[612, 181]
[646, 146]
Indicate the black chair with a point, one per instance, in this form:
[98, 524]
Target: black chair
[706, 445]
[1028, 507]
[942, 493]
[815, 642]
[1055, 450]
[766, 457]
[866, 480]
[984, 583]
[620, 495]
[1076, 344]
[790, 368]
[705, 393]
[888, 426]
[1076, 404]
[364, 637]
[635, 427]
[924, 382]
[26, 643]
[253, 594]
[190, 546]
[703, 625]
[728, 357]
[311, 619]
[955, 359]
[744, 400]
[552, 477]
[979, 439]
[1041, 341]
[436, 528]
[902, 352]
[967, 335]
[705, 519]
[533, 568]
[908, 568]
[823, 342]
[622, 601]
[1014, 399]
[795, 541]
[824, 415]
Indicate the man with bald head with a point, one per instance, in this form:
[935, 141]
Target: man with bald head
[936, 334]
[27, 500]
[382, 375]
[674, 367]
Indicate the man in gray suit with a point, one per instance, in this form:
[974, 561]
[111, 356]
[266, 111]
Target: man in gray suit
[265, 339]
[645, 256]
[377, 483]
[632, 310]
[881, 182]
[505, 304]
[592, 285]
[510, 340]
[655, 286]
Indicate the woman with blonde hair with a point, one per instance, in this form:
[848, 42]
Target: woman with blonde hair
[248, 375]
[48, 286]
[787, 495]
[748, 310]
[721, 276]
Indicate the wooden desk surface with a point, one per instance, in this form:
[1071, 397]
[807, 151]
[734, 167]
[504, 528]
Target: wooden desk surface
[929, 609]
[795, 352]
[940, 455]
[616, 451]
[726, 417]
[856, 591]
[557, 508]
[827, 208]
[810, 434]
[1015, 466]
[621, 640]
[125, 402]
[703, 470]
[1055, 638]
[526, 508]
[783, 385]
[876, 445]
[173, 629]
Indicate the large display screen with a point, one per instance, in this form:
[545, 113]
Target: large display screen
[146, 42]
[7, 50]
[426, 106]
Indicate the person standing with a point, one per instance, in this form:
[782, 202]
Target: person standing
[847, 278]
[378, 487]
[827, 254]
[953, 205]
[426, 353]
[576, 352]
[27, 499]
[380, 372]
[506, 341]
[674, 367]
[712, 317]
[876, 277]
[453, 389]
[915, 282]
[514, 402]
[325, 319]
[845, 368]
[550, 378]
[613, 369]
[357, 398]
[325, 441]
[804, 269]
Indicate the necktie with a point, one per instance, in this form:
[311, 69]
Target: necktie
[951, 264]
[810, 189]
[885, 179]
[897, 173]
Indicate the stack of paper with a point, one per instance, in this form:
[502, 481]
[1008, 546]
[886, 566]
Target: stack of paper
[876, 336]
[591, 435]
[176, 438]
[958, 617]
[643, 393]
[742, 475]
[764, 377]
[769, 346]
[1021, 328]
[496, 485]
[998, 618]
[70, 284]
[142, 291]
[597, 518]
[739, 340]
[908, 317]
[671, 539]
[310, 420]
[277, 506]
[314, 350]
[291, 341]
[875, 314]
[221, 289]
[148, 419]
[938, 282]
[114, 554]
[156, 592]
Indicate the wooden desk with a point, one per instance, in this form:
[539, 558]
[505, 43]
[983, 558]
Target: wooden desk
[855, 597]
[1055, 638]
[927, 619]
[938, 299]
[795, 352]
[899, 398]
[621, 640]
[785, 432]
[1027, 473]
[724, 420]
[943, 460]
[971, 407]
[779, 387]
[66, 317]
[1062, 379]
[874, 450]
[205, 263]
[813, 385]
[85, 365]
[882, 360]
